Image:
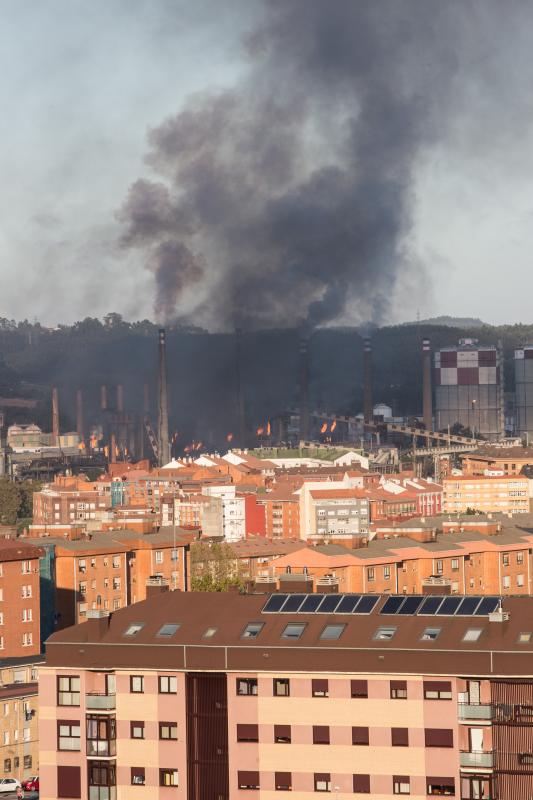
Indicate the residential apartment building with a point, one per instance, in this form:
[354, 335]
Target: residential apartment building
[282, 512]
[509, 494]
[71, 500]
[19, 599]
[337, 515]
[224, 515]
[227, 696]
[502, 460]
[19, 720]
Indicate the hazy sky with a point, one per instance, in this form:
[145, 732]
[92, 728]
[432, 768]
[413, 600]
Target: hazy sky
[82, 82]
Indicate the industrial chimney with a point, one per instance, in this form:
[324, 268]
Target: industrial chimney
[240, 389]
[427, 406]
[164, 444]
[79, 414]
[368, 408]
[103, 398]
[304, 389]
[120, 398]
[55, 416]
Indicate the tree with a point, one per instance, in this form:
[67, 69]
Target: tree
[10, 501]
[27, 488]
[214, 567]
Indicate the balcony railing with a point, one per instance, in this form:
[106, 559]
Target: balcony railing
[479, 759]
[98, 701]
[479, 711]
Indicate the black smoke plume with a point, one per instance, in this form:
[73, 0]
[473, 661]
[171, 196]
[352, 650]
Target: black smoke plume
[287, 200]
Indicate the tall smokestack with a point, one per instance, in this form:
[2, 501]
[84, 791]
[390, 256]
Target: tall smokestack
[164, 445]
[368, 408]
[304, 389]
[55, 416]
[120, 398]
[240, 389]
[103, 398]
[146, 398]
[113, 449]
[427, 406]
[79, 414]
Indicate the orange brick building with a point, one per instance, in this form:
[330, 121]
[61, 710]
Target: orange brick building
[508, 460]
[19, 599]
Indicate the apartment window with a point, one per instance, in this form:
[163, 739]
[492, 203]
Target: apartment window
[138, 776]
[68, 690]
[27, 615]
[27, 639]
[359, 688]
[398, 690]
[116, 584]
[26, 567]
[438, 737]
[174, 555]
[168, 730]
[247, 686]
[16, 762]
[6, 737]
[360, 735]
[506, 582]
[136, 684]
[282, 734]
[252, 630]
[320, 734]
[370, 574]
[82, 565]
[27, 762]
[320, 687]
[322, 782]
[68, 734]
[158, 556]
[439, 566]
[524, 637]
[455, 564]
[7, 765]
[472, 635]
[209, 633]
[440, 787]
[93, 562]
[26, 591]
[101, 735]
[400, 737]
[430, 634]
[282, 687]
[525, 758]
[386, 573]
[505, 559]
[137, 730]
[520, 580]
[168, 777]
[133, 629]
[520, 557]
[332, 632]
[283, 781]
[437, 690]
[401, 784]
[361, 784]
[247, 733]
[293, 630]
[385, 632]
[116, 562]
[248, 779]
[168, 684]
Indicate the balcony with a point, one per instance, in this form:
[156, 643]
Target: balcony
[101, 748]
[98, 701]
[476, 760]
[477, 711]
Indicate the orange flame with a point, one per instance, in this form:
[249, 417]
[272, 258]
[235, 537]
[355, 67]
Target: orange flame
[324, 428]
[268, 428]
[199, 445]
[260, 431]
[81, 446]
[187, 449]
[229, 437]
[106, 451]
[333, 425]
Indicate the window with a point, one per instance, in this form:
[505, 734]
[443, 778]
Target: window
[320, 687]
[525, 758]
[101, 735]
[360, 735]
[440, 568]
[400, 737]
[398, 690]
[116, 584]
[361, 784]
[209, 633]
[437, 690]
[386, 573]
[68, 781]
[332, 632]
[246, 686]
[401, 784]
[6, 737]
[442, 787]
[116, 562]
[134, 629]
[283, 781]
[16, 762]
[101, 774]
[359, 688]
[137, 730]
[472, 635]
[320, 734]
[385, 632]
[524, 637]
[430, 634]
[82, 565]
[27, 762]
[370, 574]
[322, 782]
[158, 556]
[282, 687]
[7, 765]
[282, 734]
[506, 581]
[136, 684]
[168, 730]
[455, 564]
[68, 734]
[293, 630]
[248, 780]
[520, 557]
[26, 591]
[439, 737]
[505, 559]
[27, 639]
[137, 776]
[168, 684]
[68, 690]
[247, 733]
[168, 777]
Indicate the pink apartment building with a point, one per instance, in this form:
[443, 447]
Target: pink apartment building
[217, 696]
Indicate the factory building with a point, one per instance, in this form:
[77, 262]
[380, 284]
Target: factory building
[523, 373]
[469, 388]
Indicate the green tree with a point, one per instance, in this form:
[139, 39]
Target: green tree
[27, 488]
[10, 501]
[214, 567]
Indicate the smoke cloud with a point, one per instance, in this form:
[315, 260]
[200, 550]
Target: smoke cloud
[288, 199]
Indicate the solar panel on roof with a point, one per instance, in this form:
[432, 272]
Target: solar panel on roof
[487, 606]
[310, 604]
[347, 604]
[392, 604]
[329, 604]
[449, 606]
[293, 603]
[366, 604]
[431, 604]
[411, 605]
[468, 607]
[275, 602]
